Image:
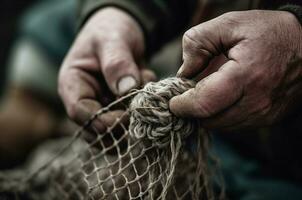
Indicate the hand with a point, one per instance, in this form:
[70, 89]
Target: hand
[105, 61]
[259, 81]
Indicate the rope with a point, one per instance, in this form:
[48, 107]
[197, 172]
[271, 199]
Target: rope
[151, 119]
[150, 166]
[156, 122]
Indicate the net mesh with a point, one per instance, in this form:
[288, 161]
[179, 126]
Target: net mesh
[146, 153]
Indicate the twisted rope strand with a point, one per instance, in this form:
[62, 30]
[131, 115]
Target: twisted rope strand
[151, 122]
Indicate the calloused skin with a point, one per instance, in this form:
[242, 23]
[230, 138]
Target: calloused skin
[248, 65]
[258, 83]
[105, 61]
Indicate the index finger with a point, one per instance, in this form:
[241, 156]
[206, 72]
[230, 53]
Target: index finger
[79, 92]
[205, 41]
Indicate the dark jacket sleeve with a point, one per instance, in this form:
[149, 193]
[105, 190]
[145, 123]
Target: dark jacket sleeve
[161, 20]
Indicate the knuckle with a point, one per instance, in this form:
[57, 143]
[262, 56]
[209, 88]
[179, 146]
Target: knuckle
[229, 15]
[231, 19]
[102, 37]
[189, 37]
[199, 40]
[115, 64]
[232, 15]
[190, 34]
[194, 44]
[102, 40]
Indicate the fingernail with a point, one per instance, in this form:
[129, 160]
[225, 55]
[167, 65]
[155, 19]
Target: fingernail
[125, 84]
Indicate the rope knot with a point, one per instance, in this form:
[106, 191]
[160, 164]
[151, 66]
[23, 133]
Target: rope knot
[150, 114]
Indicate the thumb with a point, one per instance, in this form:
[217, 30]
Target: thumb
[211, 95]
[204, 41]
[118, 67]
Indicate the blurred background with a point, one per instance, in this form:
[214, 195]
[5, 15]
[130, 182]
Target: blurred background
[34, 37]
[10, 12]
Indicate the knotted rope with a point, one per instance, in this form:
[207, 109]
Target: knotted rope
[155, 164]
[151, 119]
[150, 114]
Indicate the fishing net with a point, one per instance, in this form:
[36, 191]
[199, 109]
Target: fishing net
[146, 153]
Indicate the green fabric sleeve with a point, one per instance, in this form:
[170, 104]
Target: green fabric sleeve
[161, 20]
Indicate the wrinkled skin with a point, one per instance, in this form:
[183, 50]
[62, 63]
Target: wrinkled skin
[247, 64]
[104, 62]
[249, 69]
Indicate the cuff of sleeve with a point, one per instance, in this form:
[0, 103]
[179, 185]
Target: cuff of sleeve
[294, 9]
[146, 21]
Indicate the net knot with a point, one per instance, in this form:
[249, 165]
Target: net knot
[150, 115]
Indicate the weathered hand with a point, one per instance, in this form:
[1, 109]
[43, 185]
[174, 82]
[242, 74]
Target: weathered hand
[260, 80]
[105, 61]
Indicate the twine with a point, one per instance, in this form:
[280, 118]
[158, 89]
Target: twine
[151, 121]
[150, 114]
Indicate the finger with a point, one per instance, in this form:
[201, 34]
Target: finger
[109, 119]
[213, 66]
[201, 43]
[118, 66]
[84, 110]
[147, 76]
[104, 122]
[79, 93]
[211, 95]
